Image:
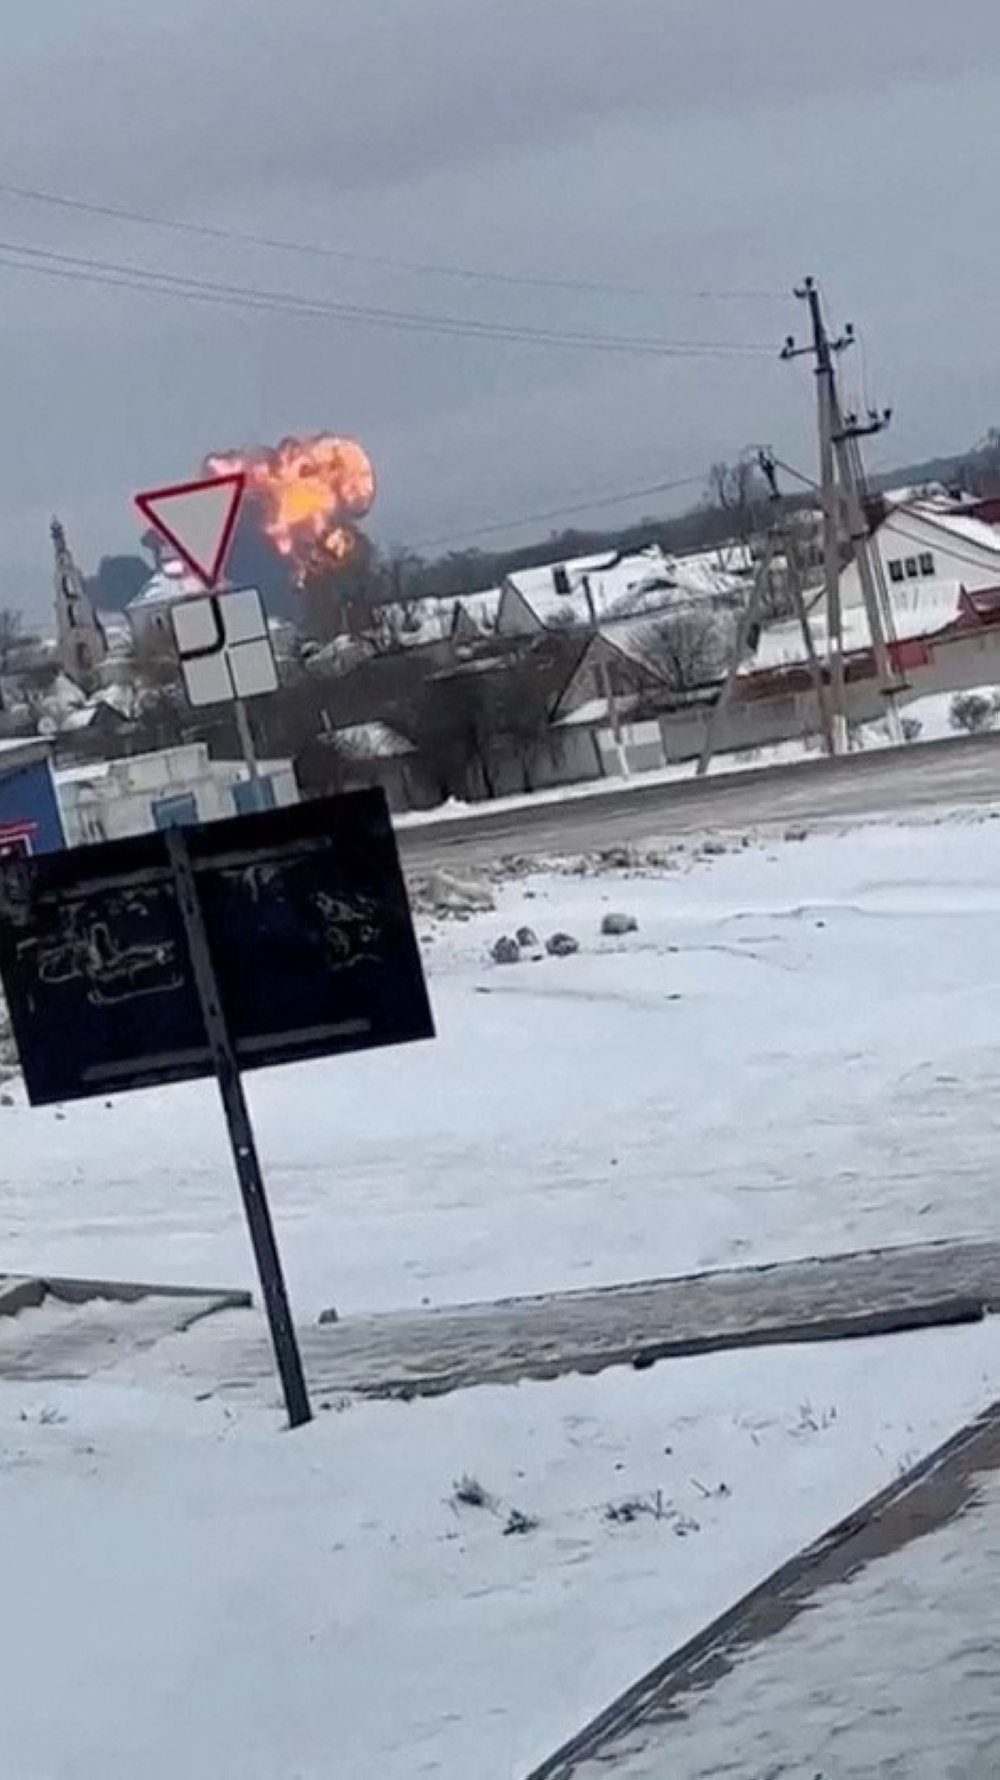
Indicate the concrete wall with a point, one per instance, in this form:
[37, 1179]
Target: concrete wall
[565, 757]
[641, 743]
[972, 659]
[118, 797]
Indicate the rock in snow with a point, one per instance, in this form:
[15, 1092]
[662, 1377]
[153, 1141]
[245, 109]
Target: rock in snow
[527, 938]
[561, 945]
[617, 924]
[506, 951]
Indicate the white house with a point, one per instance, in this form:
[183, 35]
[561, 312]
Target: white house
[930, 545]
[107, 799]
[615, 586]
[149, 612]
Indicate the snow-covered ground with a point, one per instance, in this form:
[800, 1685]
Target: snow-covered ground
[191, 1593]
[895, 1672]
[797, 1052]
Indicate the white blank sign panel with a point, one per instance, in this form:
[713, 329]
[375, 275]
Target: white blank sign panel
[224, 646]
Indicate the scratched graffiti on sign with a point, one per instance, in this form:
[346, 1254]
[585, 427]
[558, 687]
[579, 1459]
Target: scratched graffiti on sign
[347, 923]
[305, 915]
[113, 969]
[350, 927]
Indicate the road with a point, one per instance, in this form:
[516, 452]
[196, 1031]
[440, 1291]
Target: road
[963, 771]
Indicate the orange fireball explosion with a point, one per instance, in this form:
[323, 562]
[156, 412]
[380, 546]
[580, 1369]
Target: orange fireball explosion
[308, 492]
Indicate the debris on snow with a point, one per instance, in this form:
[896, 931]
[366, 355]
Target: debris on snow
[441, 893]
[468, 1492]
[527, 938]
[561, 945]
[520, 1523]
[614, 925]
[505, 950]
[623, 1513]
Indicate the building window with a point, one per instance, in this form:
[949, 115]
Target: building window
[911, 568]
[895, 569]
[926, 563]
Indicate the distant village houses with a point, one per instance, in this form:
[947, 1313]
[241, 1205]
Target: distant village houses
[564, 672]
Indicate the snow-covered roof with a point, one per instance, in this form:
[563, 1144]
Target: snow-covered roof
[371, 741]
[933, 495]
[30, 747]
[613, 581]
[82, 775]
[960, 526]
[643, 582]
[413, 623]
[481, 608]
[433, 619]
[920, 609]
[638, 642]
[170, 582]
[595, 710]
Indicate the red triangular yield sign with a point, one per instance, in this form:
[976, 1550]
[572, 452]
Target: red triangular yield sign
[197, 519]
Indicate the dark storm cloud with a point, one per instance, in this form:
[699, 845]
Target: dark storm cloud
[672, 145]
[385, 90]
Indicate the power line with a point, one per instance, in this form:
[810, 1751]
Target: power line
[892, 520]
[49, 262]
[347, 256]
[598, 501]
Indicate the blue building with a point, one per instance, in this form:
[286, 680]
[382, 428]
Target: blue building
[30, 821]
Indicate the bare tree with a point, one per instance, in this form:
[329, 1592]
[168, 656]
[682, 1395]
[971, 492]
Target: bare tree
[971, 711]
[736, 489]
[472, 724]
[983, 465]
[690, 649]
[14, 640]
[160, 703]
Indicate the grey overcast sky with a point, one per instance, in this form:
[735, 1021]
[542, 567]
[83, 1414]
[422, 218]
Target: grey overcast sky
[670, 147]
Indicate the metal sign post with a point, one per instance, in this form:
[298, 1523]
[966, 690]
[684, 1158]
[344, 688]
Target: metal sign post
[181, 954]
[245, 734]
[241, 1137]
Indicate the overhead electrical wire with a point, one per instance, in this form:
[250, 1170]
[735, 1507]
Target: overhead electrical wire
[580, 506]
[347, 256]
[892, 519]
[24, 257]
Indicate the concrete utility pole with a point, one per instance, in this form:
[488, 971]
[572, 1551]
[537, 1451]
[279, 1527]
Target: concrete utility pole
[848, 431]
[604, 678]
[822, 349]
[840, 456]
[809, 642]
[749, 621]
